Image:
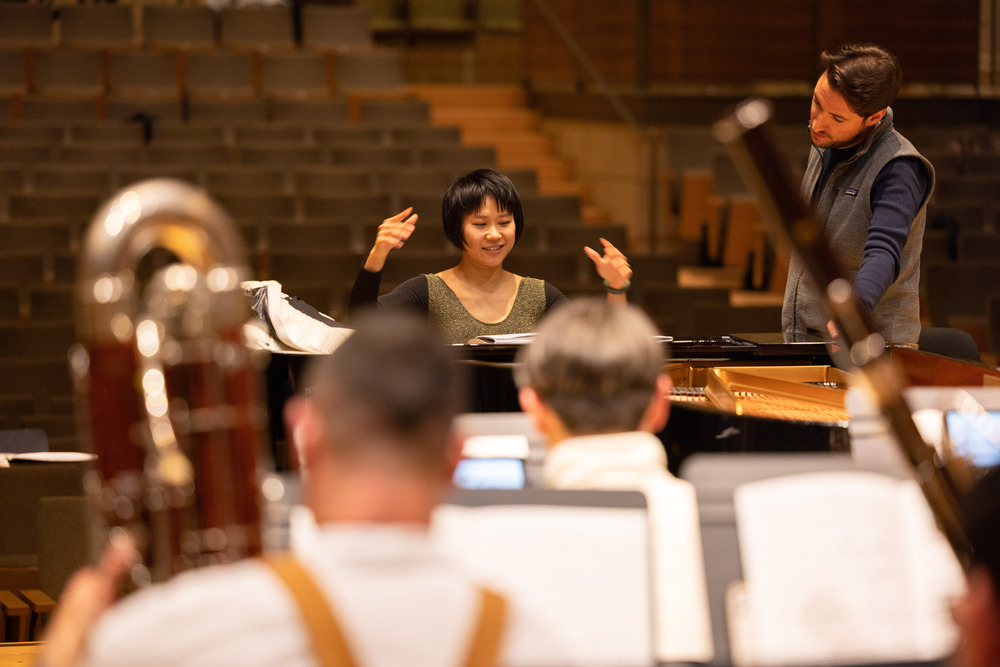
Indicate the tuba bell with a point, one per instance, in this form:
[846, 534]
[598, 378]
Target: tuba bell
[171, 392]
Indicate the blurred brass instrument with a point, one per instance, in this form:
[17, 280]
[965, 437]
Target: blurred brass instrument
[744, 132]
[175, 416]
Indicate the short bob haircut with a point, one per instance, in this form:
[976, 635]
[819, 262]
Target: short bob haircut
[867, 76]
[467, 195]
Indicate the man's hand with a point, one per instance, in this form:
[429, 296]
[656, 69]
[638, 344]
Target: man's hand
[87, 594]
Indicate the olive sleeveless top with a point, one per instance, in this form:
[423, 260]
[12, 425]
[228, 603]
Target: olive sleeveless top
[459, 326]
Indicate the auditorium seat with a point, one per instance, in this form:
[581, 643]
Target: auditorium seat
[279, 154]
[716, 319]
[38, 339]
[52, 303]
[178, 26]
[948, 342]
[254, 205]
[58, 108]
[373, 156]
[220, 75]
[203, 132]
[13, 72]
[143, 74]
[293, 236]
[97, 26]
[413, 136]
[958, 290]
[21, 267]
[348, 134]
[332, 268]
[442, 17]
[25, 24]
[563, 268]
[26, 152]
[50, 133]
[202, 110]
[288, 134]
[263, 28]
[11, 310]
[386, 18]
[405, 180]
[394, 112]
[460, 159]
[574, 236]
[139, 109]
[129, 174]
[543, 209]
[979, 246]
[336, 28]
[369, 70]
[334, 110]
[345, 207]
[98, 154]
[52, 205]
[11, 178]
[37, 236]
[672, 307]
[68, 72]
[199, 153]
[319, 179]
[265, 179]
[106, 134]
[93, 179]
[500, 15]
[298, 75]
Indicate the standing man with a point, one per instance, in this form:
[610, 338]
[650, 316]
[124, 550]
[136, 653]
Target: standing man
[870, 186]
[592, 380]
[376, 440]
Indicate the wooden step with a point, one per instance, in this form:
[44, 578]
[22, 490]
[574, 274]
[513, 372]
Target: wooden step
[487, 120]
[471, 96]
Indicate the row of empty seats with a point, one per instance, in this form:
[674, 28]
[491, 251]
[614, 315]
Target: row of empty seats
[196, 26]
[127, 26]
[225, 74]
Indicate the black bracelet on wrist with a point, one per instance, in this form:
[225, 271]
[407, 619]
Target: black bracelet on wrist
[617, 290]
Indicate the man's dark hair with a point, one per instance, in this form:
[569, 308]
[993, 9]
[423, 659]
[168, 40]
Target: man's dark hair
[393, 386]
[982, 523]
[467, 195]
[867, 76]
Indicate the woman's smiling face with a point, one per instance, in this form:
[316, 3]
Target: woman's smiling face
[489, 234]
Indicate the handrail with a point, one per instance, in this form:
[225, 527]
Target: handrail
[584, 61]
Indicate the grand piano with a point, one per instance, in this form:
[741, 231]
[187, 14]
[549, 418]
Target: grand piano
[743, 392]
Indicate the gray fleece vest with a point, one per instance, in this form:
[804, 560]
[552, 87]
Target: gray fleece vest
[845, 205]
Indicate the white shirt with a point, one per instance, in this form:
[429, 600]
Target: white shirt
[636, 461]
[398, 600]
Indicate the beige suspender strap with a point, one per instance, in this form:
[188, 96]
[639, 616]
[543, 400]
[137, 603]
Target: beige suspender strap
[321, 624]
[485, 648]
[329, 642]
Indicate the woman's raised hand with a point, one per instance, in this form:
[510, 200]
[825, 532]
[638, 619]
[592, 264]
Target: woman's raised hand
[391, 234]
[612, 266]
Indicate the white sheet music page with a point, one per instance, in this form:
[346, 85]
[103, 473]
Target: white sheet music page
[582, 570]
[842, 567]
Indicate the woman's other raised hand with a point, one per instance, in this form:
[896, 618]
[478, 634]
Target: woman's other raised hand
[391, 234]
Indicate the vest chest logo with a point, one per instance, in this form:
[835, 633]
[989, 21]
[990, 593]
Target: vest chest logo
[851, 192]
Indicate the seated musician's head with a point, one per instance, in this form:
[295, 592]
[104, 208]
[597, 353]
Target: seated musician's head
[594, 368]
[381, 407]
[470, 193]
[978, 612]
